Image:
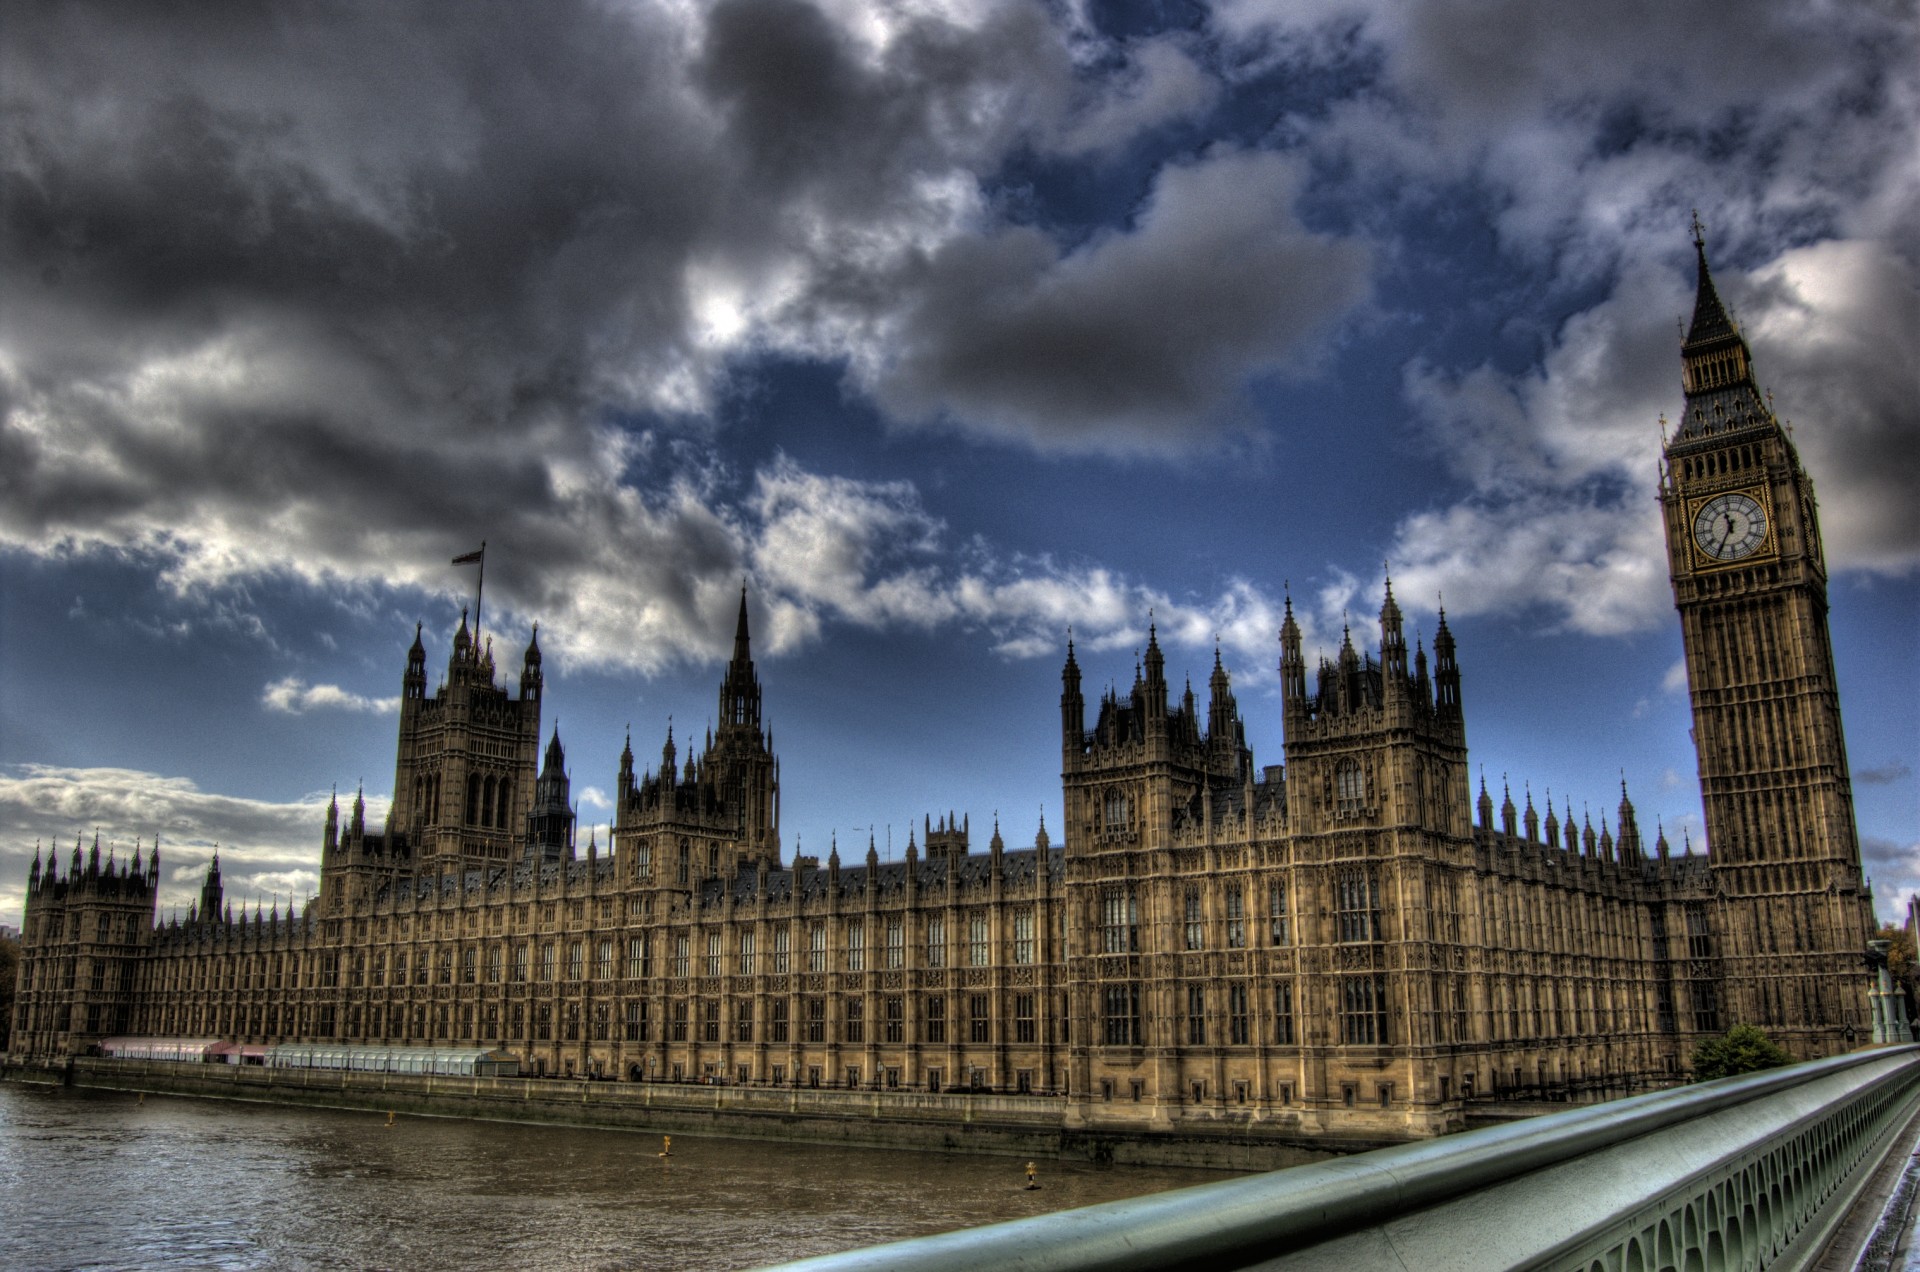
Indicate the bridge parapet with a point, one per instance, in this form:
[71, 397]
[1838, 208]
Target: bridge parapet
[1752, 1172]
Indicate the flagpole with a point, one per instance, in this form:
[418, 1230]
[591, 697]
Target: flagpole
[479, 591]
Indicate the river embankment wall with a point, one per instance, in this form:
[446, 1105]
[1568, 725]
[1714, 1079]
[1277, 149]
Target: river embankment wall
[1012, 1125]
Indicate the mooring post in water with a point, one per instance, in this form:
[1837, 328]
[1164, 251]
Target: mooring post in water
[666, 1146]
[1032, 1172]
[389, 1117]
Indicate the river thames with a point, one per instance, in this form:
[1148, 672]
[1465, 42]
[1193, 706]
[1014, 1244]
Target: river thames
[98, 1180]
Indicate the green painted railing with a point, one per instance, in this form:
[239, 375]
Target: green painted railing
[1751, 1172]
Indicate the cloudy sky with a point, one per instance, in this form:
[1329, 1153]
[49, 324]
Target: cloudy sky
[947, 327]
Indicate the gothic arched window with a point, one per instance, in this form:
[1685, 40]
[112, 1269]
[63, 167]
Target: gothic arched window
[1117, 808]
[1349, 786]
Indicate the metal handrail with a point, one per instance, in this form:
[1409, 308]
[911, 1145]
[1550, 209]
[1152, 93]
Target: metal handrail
[1233, 1222]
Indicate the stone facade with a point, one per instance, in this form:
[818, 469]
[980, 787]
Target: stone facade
[1352, 943]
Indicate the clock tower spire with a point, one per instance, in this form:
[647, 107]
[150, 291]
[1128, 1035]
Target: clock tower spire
[1750, 582]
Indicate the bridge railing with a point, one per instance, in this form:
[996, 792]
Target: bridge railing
[1747, 1172]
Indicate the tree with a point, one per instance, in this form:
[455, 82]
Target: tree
[1742, 1049]
[1901, 963]
[9, 973]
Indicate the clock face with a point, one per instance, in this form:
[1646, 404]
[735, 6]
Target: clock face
[1730, 526]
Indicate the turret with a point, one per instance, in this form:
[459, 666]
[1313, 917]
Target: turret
[1630, 849]
[531, 679]
[1293, 666]
[211, 891]
[1154, 686]
[413, 685]
[332, 837]
[1073, 707]
[1223, 713]
[1393, 641]
[462, 648]
[1485, 805]
[1446, 671]
[1507, 822]
[1531, 819]
[550, 822]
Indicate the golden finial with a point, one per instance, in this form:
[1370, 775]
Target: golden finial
[1699, 233]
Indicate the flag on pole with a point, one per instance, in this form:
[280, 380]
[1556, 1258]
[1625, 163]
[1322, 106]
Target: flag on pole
[470, 557]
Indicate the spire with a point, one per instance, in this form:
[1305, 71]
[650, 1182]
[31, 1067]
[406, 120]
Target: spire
[740, 687]
[1507, 826]
[1710, 320]
[1629, 828]
[1221, 708]
[1446, 672]
[741, 640]
[413, 684]
[532, 679]
[1486, 805]
[1293, 666]
[1716, 365]
[1393, 638]
[557, 757]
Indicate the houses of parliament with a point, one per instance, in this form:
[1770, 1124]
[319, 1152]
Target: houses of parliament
[1357, 940]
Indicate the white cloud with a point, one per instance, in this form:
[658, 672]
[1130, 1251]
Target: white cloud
[1586, 136]
[294, 696]
[266, 848]
[1561, 460]
[1675, 681]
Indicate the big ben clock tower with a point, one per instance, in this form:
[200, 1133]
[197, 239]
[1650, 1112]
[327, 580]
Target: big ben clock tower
[1750, 582]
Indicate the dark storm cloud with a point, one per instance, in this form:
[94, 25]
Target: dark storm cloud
[1143, 335]
[334, 290]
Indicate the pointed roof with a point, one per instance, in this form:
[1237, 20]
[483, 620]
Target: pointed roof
[742, 641]
[1710, 320]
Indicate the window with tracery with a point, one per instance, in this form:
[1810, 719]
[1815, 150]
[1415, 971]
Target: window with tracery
[1357, 904]
[1349, 786]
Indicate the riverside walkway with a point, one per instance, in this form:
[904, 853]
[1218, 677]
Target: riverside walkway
[1807, 1167]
